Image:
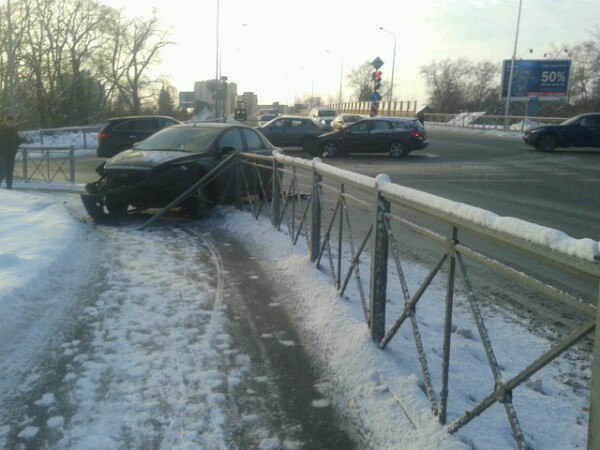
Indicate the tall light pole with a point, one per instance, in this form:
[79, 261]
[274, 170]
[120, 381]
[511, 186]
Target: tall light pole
[393, 67]
[10, 62]
[341, 72]
[512, 68]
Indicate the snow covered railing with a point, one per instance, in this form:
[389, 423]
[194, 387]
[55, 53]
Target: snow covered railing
[79, 137]
[483, 121]
[332, 207]
[45, 164]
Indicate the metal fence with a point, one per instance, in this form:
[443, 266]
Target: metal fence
[45, 164]
[398, 109]
[483, 121]
[340, 214]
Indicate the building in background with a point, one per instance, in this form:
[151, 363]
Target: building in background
[251, 100]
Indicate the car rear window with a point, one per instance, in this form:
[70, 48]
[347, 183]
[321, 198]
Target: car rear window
[138, 125]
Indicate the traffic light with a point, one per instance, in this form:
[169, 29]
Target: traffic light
[376, 80]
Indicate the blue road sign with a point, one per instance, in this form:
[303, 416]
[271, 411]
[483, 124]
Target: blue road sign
[377, 63]
[375, 97]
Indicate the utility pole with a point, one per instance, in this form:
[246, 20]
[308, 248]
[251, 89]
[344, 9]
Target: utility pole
[217, 67]
[512, 68]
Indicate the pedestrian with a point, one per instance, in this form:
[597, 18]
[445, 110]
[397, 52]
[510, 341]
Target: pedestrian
[9, 144]
[421, 117]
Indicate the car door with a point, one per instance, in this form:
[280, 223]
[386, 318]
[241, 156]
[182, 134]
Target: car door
[296, 132]
[354, 138]
[251, 179]
[587, 134]
[379, 136]
[225, 182]
[277, 132]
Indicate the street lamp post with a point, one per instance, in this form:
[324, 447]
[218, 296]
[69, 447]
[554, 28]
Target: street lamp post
[341, 72]
[393, 67]
[512, 68]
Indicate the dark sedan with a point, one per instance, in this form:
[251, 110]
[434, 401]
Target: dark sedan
[397, 136]
[163, 166]
[579, 131]
[291, 131]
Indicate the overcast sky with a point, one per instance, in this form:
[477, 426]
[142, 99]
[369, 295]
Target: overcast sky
[281, 52]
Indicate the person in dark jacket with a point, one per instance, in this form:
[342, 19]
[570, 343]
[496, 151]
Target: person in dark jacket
[9, 143]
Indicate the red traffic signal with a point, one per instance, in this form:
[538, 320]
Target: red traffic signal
[376, 75]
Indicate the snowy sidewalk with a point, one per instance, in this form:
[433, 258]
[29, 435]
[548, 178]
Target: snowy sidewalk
[167, 338]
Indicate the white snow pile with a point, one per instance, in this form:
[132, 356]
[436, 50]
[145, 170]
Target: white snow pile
[526, 124]
[465, 118]
[62, 138]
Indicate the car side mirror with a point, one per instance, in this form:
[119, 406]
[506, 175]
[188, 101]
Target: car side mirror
[226, 150]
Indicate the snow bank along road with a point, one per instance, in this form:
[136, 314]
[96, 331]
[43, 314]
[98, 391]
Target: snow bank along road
[179, 338]
[167, 338]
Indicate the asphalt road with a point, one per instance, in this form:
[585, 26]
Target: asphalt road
[503, 175]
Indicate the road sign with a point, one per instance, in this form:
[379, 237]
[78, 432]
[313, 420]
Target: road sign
[377, 63]
[375, 97]
[546, 79]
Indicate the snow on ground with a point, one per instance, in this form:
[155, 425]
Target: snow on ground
[142, 364]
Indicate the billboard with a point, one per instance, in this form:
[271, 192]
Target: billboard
[547, 79]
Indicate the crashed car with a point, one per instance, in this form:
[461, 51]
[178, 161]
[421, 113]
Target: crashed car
[162, 167]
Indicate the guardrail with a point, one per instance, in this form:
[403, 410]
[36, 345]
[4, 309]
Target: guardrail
[45, 164]
[483, 121]
[80, 137]
[328, 206]
[398, 109]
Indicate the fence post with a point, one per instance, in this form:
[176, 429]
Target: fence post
[315, 216]
[72, 163]
[238, 181]
[41, 137]
[25, 157]
[451, 251]
[276, 199]
[84, 138]
[379, 262]
[594, 420]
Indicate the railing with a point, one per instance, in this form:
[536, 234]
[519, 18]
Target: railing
[483, 121]
[398, 109]
[45, 164]
[340, 214]
[79, 137]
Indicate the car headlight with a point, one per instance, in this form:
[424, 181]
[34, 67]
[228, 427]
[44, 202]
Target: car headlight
[323, 121]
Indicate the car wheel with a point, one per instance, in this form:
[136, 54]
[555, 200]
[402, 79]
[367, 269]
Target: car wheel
[546, 143]
[309, 145]
[116, 209]
[330, 149]
[199, 204]
[397, 150]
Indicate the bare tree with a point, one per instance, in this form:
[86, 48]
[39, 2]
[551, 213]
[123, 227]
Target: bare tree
[447, 83]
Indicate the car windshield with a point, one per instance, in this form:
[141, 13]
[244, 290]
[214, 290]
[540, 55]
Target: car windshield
[192, 139]
[352, 118]
[327, 113]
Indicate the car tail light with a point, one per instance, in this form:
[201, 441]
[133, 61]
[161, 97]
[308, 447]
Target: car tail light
[416, 133]
[102, 136]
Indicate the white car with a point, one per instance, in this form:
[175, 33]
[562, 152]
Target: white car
[323, 117]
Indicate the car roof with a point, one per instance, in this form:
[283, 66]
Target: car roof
[389, 119]
[210, 125]
[292, 117]
[112, 119]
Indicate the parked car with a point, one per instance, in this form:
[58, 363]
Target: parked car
[163, 166]
[323, 117]
[263, 119]
[292, 131]
[121, 133]
[273, 111]
[395, 135]
[343, 120]
[579, 131]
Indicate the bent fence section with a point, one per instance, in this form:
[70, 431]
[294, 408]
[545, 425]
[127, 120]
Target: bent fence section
[45, 164]
[340, 214]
